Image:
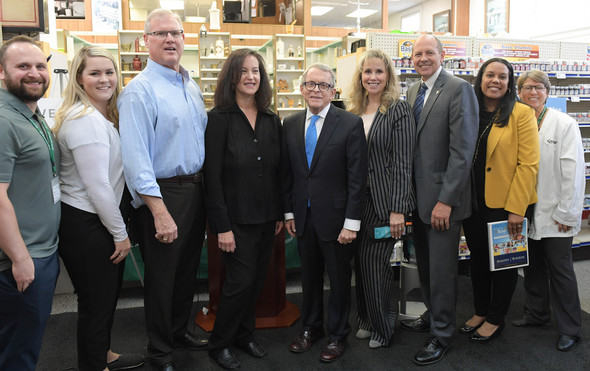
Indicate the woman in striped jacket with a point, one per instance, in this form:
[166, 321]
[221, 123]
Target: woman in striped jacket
[390, 129]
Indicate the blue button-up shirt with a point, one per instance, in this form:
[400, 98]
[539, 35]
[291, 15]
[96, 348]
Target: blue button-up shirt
[162, 121]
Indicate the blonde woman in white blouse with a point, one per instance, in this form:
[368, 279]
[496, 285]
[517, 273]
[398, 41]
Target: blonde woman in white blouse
[93, 237]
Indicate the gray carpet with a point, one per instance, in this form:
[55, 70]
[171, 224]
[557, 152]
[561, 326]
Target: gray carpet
[514, 349]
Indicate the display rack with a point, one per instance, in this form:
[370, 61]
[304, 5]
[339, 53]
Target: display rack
[289, 65]
[131, 48]
[214, 50]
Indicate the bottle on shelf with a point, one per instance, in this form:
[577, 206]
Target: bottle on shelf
[280, 48]
[136, 63]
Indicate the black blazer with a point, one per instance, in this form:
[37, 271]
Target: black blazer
[242, 179]
[335, 183]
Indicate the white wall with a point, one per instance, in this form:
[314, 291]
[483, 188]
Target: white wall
[426, 9]
[565, 20]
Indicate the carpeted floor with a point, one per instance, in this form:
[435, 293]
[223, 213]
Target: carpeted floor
[514, 349]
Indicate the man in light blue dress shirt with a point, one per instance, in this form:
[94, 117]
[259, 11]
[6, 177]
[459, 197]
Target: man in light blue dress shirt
[162, 125]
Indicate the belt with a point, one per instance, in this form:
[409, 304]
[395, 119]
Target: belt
[193, 178]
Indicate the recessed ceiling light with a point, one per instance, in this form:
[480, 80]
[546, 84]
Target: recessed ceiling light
[320, 10]
[361, 13]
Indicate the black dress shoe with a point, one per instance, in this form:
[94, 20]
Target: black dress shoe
[126, 361]
[305, 340]
[190, 341]
[332, 351]
[566, 343]
[226, 359]
[252, 348]
[432, 352]
[477, 338]
[527, 321]
[466, 329]
[418, 325]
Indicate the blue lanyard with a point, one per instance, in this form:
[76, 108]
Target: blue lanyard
[44, 132]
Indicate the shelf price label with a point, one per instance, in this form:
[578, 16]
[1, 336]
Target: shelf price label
[575, 99]
[561, 75]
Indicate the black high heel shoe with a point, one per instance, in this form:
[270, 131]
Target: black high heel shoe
[477, 338]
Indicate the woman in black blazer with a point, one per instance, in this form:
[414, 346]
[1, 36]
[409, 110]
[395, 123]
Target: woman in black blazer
[390, 130]
[242, 151]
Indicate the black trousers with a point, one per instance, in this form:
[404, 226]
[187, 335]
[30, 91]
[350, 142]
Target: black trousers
[245, 272]
[85, 246]
[171, 269]
[317, 257]
[550, 278]
[437, 257]
[492, 291]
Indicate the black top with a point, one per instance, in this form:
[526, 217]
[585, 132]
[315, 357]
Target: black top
[479, 163]
[242, 168]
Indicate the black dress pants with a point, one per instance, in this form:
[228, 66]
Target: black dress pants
[492, 291]
[86, 246]
[318, 256]
[245, 272]
[171, 269]
[550, 278]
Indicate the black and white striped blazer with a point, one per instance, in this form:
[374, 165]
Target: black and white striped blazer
[391, 142]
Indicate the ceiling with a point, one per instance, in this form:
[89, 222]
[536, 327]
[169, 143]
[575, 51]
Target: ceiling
[334, 18]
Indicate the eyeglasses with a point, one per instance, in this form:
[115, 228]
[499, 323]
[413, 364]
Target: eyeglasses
[529, 88]
[164, 34]
[321, 85]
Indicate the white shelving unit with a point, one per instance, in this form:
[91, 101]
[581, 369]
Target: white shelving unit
[289, 65]
[214, 50]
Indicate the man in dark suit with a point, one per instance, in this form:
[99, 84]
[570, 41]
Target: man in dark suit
[325, 159]
[447, 119]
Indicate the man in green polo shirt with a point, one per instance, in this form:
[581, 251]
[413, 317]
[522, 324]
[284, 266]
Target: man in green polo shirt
[29, 205]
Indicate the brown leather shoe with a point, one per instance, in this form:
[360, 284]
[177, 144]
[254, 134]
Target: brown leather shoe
[332, 351]
[305, 340]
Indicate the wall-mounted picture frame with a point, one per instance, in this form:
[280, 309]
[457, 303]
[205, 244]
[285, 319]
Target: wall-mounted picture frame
[441, 22]
[24, 16]
[497, 16]
[70, 9]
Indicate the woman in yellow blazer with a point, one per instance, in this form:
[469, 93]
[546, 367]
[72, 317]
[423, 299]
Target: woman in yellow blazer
[504, 173]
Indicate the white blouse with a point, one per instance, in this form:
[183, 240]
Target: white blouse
[91, 168]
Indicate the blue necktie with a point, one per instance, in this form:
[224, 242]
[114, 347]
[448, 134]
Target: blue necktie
[419, 103]
[311, 139]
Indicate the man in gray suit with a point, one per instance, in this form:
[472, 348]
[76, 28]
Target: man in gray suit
[447, 116]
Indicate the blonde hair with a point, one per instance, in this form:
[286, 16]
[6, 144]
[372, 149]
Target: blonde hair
[358, 97]
[74, 93]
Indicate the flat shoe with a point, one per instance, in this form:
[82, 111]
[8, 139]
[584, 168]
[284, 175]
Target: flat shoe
[374, 344]
[126, 362]
[466, 329]
[477, 338]
[527, 321]
[362, 334]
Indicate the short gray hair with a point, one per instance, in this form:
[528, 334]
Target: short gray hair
[535, 75]
[322, 67]
[160, 13]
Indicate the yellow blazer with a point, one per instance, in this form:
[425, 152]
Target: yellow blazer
[512, 162]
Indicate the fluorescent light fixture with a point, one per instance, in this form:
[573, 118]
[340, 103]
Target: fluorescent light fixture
[320, 10]
[361, 13]
[196, 19]
[172, 4]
